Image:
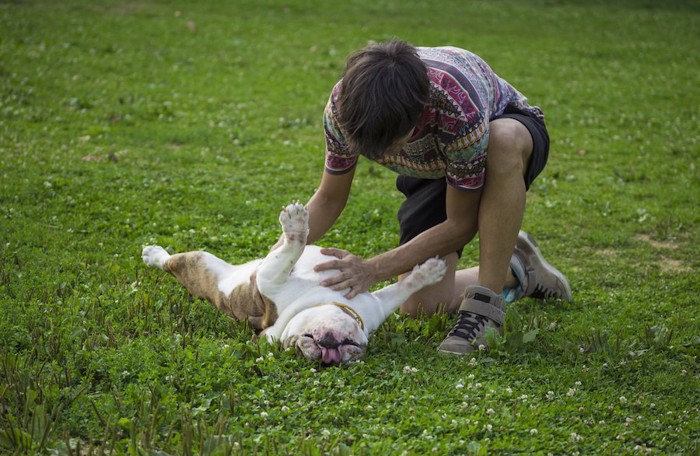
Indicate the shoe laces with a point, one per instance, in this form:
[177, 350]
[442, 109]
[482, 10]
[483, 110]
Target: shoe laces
[468, 325]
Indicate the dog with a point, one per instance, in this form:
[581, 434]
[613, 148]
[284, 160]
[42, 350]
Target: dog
[281, 296]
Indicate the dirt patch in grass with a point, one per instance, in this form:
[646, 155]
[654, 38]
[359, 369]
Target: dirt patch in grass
[672, 265]
[666, 264]
[659, 245]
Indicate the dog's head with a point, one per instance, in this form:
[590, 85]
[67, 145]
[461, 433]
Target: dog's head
[333, 333]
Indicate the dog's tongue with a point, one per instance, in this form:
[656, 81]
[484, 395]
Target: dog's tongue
[330, 355]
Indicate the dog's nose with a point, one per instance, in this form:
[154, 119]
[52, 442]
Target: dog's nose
[328, 341]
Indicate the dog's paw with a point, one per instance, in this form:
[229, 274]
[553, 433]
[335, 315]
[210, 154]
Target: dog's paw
[154, 256]
[428, 273]
[294, 220]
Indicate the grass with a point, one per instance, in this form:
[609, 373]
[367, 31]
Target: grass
[189, 124]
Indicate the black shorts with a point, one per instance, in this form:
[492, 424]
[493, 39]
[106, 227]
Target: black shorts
[424, 206]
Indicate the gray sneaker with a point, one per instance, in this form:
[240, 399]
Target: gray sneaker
[538, 279]
[480, 309]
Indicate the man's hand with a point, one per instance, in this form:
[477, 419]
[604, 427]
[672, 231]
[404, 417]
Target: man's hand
[355, 273]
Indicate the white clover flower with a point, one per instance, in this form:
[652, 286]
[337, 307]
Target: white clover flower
[482, 347]
[285, 408]
[263, 414]
[550, 395]
[575, 437]
[407, 370]
[571, 392]
[533, 431]
[459, 385]
[270, 355]
[489, 427]
[259, 360]
[490, 411]
[472, 362]
[509, 390]
[578, 383]
[623, 400]
[326, 432]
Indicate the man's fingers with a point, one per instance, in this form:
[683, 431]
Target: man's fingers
[338, 253]
[333, 264]
[351, 294]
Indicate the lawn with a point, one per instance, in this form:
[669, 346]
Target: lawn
[190, 124]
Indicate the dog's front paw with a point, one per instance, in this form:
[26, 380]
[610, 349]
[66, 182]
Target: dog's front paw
[295, 221]
[154, 256]
[428, 273]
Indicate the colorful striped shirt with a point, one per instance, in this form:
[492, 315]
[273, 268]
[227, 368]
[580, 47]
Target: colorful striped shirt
[452, 134]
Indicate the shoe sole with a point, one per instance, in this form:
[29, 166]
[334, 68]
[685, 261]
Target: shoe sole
[526, 243]
[455, 352]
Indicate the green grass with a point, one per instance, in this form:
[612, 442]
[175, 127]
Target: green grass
[190, 124]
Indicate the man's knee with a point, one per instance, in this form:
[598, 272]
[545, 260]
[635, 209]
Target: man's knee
[510, 147]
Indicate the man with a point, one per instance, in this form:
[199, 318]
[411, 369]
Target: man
[466, 146]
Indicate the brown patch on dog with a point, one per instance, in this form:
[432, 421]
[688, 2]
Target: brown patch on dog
[244, 301]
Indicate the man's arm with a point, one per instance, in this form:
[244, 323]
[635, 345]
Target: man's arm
[326, 205]
[447, 237]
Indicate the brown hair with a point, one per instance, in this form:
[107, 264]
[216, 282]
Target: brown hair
[382, 95]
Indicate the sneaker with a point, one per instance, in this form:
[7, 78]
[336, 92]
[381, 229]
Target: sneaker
[538, 279]
[480, 309]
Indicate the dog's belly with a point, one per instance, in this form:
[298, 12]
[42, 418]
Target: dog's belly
[304, 267]
[302, 276]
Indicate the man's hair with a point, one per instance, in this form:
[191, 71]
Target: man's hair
[384, 89]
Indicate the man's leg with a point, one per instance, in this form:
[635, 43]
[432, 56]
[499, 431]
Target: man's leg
[503, 200]
[500, 216]
[505, 252]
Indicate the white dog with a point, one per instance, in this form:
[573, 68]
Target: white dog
[281, 294]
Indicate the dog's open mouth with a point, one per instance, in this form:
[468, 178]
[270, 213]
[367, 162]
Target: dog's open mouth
[334, 352]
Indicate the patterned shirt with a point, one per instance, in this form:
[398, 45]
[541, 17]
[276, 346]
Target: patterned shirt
[453, 131]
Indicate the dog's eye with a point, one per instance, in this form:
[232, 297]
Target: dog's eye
[307, 335]
[350, 342]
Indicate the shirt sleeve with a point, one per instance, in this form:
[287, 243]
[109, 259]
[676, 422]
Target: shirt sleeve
[339, 159]
[465, 167]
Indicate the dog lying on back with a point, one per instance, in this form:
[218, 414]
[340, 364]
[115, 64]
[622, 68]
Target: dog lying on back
[281, 294]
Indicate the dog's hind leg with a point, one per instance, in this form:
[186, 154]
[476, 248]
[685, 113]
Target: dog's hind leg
[199, 272]
[277, 265]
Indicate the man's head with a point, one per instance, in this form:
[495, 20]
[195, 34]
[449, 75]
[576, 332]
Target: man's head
[385, 87]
